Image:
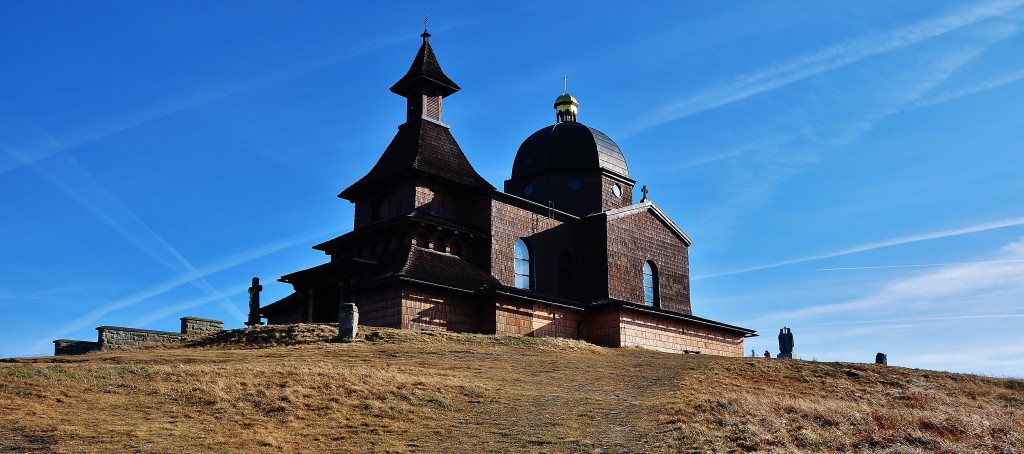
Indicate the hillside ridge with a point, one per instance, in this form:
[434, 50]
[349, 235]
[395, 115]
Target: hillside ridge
[293, 389]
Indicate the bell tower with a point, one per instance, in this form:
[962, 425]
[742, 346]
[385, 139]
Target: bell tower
[425, 85]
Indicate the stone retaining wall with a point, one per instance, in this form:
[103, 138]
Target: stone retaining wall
[191, 326]
[113, 337]
[74, 347]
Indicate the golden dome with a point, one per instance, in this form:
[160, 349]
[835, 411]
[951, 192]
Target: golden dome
[562, 102]
[566, 107]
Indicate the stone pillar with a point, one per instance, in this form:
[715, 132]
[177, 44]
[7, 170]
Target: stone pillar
[197, 326]
[882, 359]
[348, 322]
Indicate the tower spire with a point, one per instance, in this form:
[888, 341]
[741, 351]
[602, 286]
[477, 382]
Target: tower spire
[425, 84]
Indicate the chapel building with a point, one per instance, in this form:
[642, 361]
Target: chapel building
[561, 251]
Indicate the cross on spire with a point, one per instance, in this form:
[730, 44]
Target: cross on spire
[565, 83]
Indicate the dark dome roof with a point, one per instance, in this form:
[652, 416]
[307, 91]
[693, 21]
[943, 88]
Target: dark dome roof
[568, 146]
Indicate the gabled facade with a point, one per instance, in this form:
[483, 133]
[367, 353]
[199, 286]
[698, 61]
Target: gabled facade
[563, 251]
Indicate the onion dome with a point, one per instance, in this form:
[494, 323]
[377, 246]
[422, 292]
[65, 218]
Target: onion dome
[566, 107]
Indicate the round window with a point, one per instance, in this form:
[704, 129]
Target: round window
[575, 184]
[617, 190]
[528, 189]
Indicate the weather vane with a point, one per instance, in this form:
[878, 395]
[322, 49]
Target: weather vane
[425, 18]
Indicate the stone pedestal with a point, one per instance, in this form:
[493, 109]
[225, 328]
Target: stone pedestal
[785, 356]
[348, 322]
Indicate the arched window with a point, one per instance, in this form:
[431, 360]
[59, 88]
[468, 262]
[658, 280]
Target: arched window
[524, 277]
[650, 284]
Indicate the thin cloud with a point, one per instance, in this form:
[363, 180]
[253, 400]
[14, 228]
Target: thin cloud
[42, 147]
[827, 59]
[968, 91]
[120, 218]
[165, 286]
[166, 311]
[929, 293]
[91, 195]
[920, 319]
[778, 158]
[1013, 222]
[882, 267]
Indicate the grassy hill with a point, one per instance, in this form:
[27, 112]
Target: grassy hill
[288, 389]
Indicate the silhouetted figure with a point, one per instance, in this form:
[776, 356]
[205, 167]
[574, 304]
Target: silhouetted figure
[767, 354]
[785, 343]
[254, 303]
[753, 353]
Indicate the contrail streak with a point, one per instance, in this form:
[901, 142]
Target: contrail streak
[182, 279]
[916, 266]
[877, 245]
[165, 311]
[122, 220]
[807, 65]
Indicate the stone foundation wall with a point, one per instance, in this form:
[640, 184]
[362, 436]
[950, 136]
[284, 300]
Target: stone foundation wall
[535, 319]
[113, 337]
[74, 347]
[191, 326]
[676, 336]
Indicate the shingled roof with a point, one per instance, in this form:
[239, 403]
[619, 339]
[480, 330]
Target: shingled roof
[423, 146]
[439, 268]
[432, 267]
[425, 70]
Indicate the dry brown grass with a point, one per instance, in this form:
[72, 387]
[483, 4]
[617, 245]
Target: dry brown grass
[289, 389]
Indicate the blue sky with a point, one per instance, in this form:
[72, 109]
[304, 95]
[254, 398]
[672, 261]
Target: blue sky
[851, 170]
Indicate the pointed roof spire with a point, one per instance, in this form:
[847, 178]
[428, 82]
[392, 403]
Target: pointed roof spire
[425, 73]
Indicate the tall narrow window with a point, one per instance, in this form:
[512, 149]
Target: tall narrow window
[523, 275]
[650, 284]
